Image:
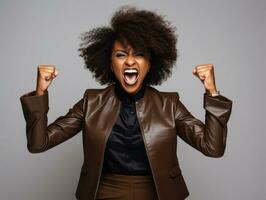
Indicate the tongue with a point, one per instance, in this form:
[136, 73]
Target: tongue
[131, 79]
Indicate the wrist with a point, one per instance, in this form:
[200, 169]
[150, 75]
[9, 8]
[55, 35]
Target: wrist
[212, 90]
[213, 93]
[39, 92]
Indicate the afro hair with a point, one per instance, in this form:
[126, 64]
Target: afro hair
[143, 30]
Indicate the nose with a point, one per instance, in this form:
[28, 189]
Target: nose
[130, 60]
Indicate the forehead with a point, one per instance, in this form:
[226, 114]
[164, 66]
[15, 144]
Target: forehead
[118, 45]
[125, 46]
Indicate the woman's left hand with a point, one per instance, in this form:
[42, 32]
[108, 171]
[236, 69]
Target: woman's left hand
[205, 73]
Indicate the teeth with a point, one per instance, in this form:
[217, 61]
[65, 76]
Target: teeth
[130, 71]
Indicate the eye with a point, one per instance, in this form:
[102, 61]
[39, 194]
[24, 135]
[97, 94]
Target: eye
[119, 55]
[140, 54]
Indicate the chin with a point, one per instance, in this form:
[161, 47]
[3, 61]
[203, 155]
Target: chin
[130, 89]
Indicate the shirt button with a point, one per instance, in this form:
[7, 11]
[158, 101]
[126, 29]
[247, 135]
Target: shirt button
[132, 111]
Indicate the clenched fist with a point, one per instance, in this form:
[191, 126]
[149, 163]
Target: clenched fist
[45, 76]
[205, 73]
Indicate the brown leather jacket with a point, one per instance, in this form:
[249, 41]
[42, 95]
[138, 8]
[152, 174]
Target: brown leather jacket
[162, 117]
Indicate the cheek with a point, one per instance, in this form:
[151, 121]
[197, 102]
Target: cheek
[116, 69]
[145, 70]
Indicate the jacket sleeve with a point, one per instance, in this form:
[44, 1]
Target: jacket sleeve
[208, 138]
[41, 137]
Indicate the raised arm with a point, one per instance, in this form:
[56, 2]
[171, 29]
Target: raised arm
[35, 105]
[41, 137]
[208, 138]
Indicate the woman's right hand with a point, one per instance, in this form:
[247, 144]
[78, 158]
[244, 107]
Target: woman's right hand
[45, 76]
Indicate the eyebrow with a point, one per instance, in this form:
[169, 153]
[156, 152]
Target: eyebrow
[121, 50]
[127, 51]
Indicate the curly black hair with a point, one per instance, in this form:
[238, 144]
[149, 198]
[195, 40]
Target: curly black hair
[143, 30]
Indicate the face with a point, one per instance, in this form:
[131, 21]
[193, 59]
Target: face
[129, 67]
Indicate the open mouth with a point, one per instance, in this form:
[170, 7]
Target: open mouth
[131, 76]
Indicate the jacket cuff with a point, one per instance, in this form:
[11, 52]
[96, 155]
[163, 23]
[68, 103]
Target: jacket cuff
[219, 106]
[32, 103]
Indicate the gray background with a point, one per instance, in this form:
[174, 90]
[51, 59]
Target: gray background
[229, 34]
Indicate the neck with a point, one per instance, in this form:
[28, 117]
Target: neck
[128, 97]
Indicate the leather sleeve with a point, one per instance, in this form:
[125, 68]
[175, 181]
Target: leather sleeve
[41, 137]
[209, 137]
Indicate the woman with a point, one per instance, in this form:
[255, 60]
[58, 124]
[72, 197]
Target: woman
[129, 128]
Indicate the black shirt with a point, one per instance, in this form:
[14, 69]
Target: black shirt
[125, 150]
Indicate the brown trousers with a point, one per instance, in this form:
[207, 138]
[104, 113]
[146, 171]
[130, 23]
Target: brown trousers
[126, 187]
